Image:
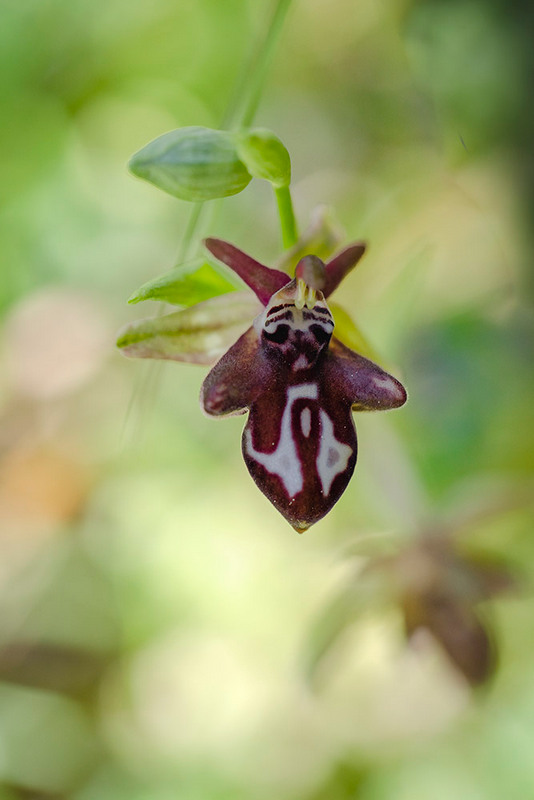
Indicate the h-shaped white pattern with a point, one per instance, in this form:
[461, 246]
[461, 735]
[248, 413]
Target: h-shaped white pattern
[284, 461]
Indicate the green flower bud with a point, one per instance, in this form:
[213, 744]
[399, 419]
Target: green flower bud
[265, 156]
[194, 164]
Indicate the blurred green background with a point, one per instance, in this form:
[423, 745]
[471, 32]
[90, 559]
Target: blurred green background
[154, 607]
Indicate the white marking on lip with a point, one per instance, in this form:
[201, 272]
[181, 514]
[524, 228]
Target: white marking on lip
[301, 363]
[284, 460]
[305, 422]
[333, 455]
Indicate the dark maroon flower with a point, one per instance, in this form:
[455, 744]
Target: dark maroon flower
[299, 384]
[440, 590]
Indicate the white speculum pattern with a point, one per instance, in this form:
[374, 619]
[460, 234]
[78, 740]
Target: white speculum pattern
[284, 461]
[333, 455]
[305, 421]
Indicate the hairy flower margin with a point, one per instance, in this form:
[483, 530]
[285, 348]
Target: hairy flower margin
[298, 382]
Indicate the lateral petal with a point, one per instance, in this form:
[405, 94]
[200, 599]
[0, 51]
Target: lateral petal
[357, 379]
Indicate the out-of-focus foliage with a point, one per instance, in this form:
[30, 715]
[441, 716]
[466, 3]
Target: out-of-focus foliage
[155, 611]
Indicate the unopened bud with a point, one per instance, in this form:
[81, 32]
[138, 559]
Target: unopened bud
[265, 156]
[194, 164]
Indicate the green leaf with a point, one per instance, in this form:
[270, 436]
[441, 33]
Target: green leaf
[200, 334]
[194, 164]
[185, 285]
[265, 156]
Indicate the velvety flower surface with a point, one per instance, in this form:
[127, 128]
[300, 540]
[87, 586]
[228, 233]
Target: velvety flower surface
[299, 384]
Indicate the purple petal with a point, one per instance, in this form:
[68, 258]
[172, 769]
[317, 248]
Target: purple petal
[236, 379]
[362, 382]
[263, 280]
[339, 266]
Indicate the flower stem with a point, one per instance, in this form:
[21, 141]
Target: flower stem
[187, 239]
[252, 81]
[242, 109]
[287, 216]
[240, 113]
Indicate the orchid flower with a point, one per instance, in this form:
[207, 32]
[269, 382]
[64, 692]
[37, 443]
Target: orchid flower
[298, 383]
[439, 590]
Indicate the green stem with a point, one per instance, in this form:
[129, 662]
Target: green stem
[244, 104]
[246, 97]
[187, 238]
[250, 87]
[287, 216]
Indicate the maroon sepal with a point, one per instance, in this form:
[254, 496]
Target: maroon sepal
[263, 280]
[340, 265]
